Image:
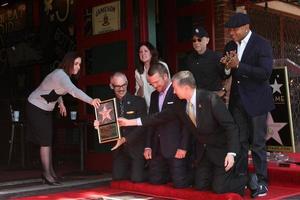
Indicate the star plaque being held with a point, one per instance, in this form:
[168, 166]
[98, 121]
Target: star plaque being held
[106, 115]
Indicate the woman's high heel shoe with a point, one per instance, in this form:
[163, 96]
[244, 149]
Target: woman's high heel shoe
[46, 181]
[58, 178]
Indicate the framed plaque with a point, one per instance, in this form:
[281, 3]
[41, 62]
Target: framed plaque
[106, 18]
[106, 114]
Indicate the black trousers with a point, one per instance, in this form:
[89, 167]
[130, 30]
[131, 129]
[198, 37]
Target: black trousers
[128, 165]
[252, 131]
[161, 170]
[211, 175]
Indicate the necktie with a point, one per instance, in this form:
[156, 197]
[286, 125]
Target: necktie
[190, 112]
[160, 100]
[121, 103]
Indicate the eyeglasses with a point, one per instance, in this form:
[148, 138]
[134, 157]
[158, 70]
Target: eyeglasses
[120, 86]
[196, 40]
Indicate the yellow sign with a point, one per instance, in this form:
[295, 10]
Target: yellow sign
[106, 18]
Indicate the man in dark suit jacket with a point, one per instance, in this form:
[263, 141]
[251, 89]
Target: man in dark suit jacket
[248, 59]
[167, 144]
[128, 161]
[214, 130]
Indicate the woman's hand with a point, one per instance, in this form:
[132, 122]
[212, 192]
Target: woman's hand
[139, 80]
[62, 110]
[140, 92]
[96, 124]
[139, 85]
[96, 102]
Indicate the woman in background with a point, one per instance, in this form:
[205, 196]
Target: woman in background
[41, 103]
[148, 55]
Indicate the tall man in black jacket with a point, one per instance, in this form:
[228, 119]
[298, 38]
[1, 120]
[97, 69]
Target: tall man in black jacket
[248, 60]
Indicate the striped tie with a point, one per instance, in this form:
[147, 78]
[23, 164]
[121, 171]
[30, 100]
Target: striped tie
[122, 112]
[190, 112]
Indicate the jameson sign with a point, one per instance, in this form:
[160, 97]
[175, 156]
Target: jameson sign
[106, 18]
[280, 135]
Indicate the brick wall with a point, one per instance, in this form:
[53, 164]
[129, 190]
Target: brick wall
[223, 10]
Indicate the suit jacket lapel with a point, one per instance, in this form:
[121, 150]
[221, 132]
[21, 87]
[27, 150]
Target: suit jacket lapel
[168, 97]
[198, 107]
[155, 106]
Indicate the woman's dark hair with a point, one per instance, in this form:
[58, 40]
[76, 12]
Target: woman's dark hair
[153, 52]
[67, 62]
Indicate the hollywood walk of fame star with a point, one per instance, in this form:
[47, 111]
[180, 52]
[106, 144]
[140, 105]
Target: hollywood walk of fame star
[105, 114]
[276, 87]
[273, 129]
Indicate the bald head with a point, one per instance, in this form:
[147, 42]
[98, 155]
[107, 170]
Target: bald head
[119, 82]
[118, 75]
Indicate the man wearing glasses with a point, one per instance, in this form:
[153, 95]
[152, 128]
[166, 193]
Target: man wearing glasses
[205, 63]
[167, 144]
[128, 160]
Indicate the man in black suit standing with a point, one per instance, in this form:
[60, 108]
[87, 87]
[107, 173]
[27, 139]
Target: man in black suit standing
[248, 60]
[167, 144]
[128, 160]
[207, 117]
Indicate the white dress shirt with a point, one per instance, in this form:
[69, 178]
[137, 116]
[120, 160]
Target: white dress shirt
[240, 49]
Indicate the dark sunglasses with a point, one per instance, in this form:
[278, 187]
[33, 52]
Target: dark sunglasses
[196, 40]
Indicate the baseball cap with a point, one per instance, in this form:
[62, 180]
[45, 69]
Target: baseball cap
[199, 32]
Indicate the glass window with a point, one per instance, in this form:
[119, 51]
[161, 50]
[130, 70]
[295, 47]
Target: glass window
[185, 25]
[106, 58]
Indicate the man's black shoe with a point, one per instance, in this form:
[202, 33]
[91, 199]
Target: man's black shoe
[245, 181]
[241, 192]
[261, 191]
[252, 182]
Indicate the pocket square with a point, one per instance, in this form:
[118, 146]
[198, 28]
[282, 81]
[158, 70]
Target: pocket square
[130, 112]
[170, 102]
